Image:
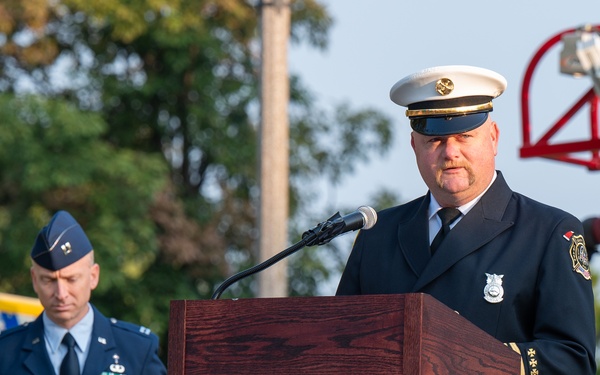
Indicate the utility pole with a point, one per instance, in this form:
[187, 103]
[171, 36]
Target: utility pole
[274, 145]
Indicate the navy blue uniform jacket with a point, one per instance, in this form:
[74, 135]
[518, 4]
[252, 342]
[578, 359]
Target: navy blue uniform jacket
[547, 306]
[23, 350]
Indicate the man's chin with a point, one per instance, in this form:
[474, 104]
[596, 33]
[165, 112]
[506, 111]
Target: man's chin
[60, 316]
[454, 185]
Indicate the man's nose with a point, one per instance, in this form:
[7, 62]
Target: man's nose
[61, 289]
[451, 148]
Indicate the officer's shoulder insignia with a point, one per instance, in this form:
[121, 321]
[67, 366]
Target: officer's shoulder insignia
[131, 327]
[578, 253]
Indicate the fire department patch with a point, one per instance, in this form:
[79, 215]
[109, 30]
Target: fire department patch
[579, 256]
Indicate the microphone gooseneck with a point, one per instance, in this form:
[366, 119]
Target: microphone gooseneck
[364, 217]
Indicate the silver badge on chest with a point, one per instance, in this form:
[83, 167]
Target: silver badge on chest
[116, 367]
[493, 291]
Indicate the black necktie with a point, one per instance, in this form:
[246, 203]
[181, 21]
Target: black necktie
[448, 216]
[70, 364]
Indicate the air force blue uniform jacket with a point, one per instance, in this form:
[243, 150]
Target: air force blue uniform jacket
[23, 350]
[514, 267]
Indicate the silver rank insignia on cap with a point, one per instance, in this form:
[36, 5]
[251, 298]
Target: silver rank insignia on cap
[578, 253]
[493, 291]
[66, 248]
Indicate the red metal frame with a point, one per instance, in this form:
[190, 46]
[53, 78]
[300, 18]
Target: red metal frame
[560, 151]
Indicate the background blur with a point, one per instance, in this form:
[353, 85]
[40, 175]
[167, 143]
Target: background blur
[374, 44]
[141, 120]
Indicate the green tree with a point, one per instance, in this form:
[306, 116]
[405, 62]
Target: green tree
[171, 91]
[53, 157]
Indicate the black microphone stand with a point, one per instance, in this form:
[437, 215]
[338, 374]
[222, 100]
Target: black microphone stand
[319, 235]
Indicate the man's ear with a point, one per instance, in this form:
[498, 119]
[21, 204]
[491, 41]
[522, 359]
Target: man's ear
[94, 275]
[495, 135]
[33, 279]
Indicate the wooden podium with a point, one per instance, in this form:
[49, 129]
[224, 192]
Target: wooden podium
[408, 334]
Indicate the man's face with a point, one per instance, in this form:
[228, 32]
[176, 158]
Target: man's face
[457, 168]
[66, 292]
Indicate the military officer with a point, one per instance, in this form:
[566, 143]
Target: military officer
[516, 268]
[71, 337]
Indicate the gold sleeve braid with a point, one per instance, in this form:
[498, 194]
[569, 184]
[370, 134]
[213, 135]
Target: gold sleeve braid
[516, 349]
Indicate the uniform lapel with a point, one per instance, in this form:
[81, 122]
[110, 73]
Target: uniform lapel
[101, 346]
[412, 238]
[38, 361]
[482, 224]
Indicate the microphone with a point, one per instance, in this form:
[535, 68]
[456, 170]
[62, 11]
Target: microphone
[363, 218]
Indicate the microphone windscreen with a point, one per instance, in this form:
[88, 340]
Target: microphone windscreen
[370, 216]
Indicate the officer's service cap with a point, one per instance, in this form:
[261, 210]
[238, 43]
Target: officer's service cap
[448, 99]
[60, 243]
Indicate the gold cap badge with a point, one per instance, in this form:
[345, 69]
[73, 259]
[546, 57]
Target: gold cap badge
[444, 86]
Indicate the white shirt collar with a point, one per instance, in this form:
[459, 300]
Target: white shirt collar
[434, 206]
[435, 223]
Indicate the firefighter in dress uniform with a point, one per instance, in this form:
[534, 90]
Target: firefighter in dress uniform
[516, 268]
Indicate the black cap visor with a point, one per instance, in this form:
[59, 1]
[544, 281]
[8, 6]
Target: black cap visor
[448, 125]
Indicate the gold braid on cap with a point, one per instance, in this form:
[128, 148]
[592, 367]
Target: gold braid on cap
[432, 112]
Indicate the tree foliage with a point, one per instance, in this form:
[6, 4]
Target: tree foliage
[140, 118]
[51, 162]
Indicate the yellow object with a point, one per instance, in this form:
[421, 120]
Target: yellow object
[16, 310]
[14, 304]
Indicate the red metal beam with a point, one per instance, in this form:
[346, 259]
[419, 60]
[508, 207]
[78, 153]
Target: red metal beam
[560, 151]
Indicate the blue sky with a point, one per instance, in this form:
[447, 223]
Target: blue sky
[374, 43]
